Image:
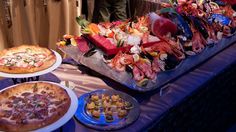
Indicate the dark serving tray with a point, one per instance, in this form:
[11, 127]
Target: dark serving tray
[101, 123]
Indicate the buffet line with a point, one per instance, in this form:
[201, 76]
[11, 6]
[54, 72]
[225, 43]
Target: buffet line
[147, 52]
[142, 53]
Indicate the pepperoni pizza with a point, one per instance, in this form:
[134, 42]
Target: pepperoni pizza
[30, 106]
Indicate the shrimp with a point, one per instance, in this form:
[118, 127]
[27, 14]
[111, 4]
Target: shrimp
[138, 74]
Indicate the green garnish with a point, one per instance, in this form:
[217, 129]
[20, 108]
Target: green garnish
[9, 64]
[85, 31]
[120, 43]
[26, 61]
[82, 22]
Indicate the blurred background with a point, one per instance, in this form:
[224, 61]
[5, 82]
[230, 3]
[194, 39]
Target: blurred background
[44, 22]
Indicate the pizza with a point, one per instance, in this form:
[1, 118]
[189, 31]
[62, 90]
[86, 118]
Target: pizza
[26, 59]
[30, 106]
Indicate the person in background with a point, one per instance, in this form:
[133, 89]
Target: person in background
[109, 10]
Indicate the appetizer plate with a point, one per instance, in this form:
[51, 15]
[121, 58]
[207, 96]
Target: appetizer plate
[64, 119]
[50, 69]
[101, 123]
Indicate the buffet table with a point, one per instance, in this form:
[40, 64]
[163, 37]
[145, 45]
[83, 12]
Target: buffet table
[176, 106]
[159, 108]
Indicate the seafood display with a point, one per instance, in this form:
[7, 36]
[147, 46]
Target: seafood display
[140, 51]
[107, 109]
[200, 23]
[112, 37]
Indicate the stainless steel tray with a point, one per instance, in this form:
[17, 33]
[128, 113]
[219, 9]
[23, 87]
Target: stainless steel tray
[96, 63]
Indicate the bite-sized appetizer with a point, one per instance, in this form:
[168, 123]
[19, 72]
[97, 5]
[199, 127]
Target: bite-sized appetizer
[98, 103]
[109, 115]
[105, 97]
[96, 113]
[108, 111]
[91, 105]
[122, 112]
[68, 40]
[94, 97]
[115, 98]
[78, 41]
[128, 105]
[120, 104]
[106, 103]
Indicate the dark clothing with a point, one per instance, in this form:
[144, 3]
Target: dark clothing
[109, 10]
[85, 8]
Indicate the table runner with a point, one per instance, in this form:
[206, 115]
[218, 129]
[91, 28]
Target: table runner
[209, 108]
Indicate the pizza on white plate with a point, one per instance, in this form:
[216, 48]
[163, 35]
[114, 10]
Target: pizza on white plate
[30, 106]
[26, 59]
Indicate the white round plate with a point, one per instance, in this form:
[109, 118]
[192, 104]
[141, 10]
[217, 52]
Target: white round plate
[50, 69]
[64, 119]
